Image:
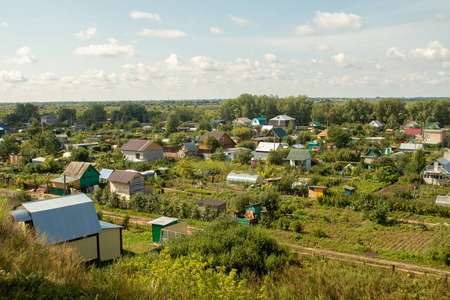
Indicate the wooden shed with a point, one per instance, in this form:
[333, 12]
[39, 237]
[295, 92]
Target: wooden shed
[316, 191]
[78, 175]
[72, 221]
[166, 223]
[252, 215]
[349, 190]
[216, 205]
[127, 183]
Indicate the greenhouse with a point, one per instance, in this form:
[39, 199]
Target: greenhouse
[244, 178]
[443, 201]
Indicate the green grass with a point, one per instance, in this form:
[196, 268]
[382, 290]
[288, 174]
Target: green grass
[137, 240]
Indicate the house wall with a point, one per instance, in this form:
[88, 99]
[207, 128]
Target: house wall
[279, 123]
[314, 193]
[110, 243]
[148, 188]
[177, 227]
[149, 155]
[306, 163]
[137, 185]
[59, 185]
[122, 189]
[90, 178]
[86, 247]
[434, 137]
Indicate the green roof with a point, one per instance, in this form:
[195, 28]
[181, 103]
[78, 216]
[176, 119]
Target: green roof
[279, 132]
[316, 124]
[297, 154]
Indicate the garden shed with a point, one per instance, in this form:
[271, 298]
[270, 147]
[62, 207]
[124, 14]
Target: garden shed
[252, 215]
[128, 183]
[298, 157]
[79, 175]
[72, 220]
[316, 191]
[234, 177]
[168, 224]
[215, 205]
[349, 190]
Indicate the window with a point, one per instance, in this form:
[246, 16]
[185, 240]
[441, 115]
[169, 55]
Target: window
[222, 139]
[138, 155]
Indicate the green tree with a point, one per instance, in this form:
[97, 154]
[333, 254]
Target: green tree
[204, 125]
[52, 144]
[244, 157]
[172, 122]
[79, 154]
[244, 133]
[270, 198]
[93, 112]
[218, 155]
[177, 138]
[66, 113]
[417, 163]
[247, 144]
[212, 142]
[337, 136]
[9, 145]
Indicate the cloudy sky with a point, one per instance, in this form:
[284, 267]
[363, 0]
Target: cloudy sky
[184, 49]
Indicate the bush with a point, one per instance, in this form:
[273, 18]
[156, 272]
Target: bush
[296, 226]
[319, 233]
[227, 243]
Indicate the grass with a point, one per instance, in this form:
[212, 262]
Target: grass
[137, 241]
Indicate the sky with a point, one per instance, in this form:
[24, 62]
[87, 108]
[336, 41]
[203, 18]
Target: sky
[97, 50]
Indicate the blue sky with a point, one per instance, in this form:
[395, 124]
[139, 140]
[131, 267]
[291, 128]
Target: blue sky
[139, 50]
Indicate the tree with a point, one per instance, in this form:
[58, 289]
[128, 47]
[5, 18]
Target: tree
[172, 123]
[79, 154]
[67, 114]
[244, 133]
[9, 145]
[247, 144]
[204, 125]
[212, 143]
[218, 155]
[277, 157]
[93, 112]
[417, 163]
[338, 137]
[270, 198]
[177, 138]
[52, 144]
[244, 157]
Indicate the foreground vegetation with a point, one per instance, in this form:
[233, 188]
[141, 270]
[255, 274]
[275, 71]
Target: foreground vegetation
[193, 275]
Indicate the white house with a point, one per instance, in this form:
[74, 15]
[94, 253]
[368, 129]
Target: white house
[128, 183]
[299, 157]
[377, 124]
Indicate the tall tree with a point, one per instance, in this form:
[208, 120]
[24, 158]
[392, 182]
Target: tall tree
[172, 122]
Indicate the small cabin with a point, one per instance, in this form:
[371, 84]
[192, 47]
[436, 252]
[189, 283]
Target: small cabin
[166, 224]
[316, 191]
[216, 205]
[349, 190]
[252, 215]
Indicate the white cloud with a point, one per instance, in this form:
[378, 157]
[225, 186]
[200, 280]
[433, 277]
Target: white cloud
[48, 76]
[173, 62]
[139, 73]
[239, 21]
[442, 17]
[270, 57]
[434, 51]
[4, 24]
[12, 76]
[337, 20]
[446, 64]
[215, 30]
[22, 56]
[84, 35]
[304, 30]
[321, 47]
[203, 63]
[112, 49]
[145, 15]
[341, 60]
[162, 33]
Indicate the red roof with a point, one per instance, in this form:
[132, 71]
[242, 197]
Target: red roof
[413, 131]
[217, 135]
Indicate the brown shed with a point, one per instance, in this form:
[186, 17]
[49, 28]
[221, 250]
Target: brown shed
[127, 183]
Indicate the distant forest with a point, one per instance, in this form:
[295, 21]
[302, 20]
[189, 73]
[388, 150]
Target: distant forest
[392, 112]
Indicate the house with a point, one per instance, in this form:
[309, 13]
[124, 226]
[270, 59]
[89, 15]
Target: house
[128, 183]
[298, 157]
[258, 122]
[312, 144]
[277, 133]
[281, 121]
[298, 146]
[443, 201]
[80, 125]
[434, 125]
[323, 135]
[316, 191]
[79, 175]
[374, 139]
[15, 159]
[434, 137]
[314, 125]
[104, 174]
[413, 131]
[371, 155]
[437, 172]
[349, 190]
[224, 140]
[216, 206]
[142, 150]
[407, 147]
[62, 137]
[217, 122]
[411, 124]
[171, 152]
[166, 224]
[231, 153]
[244, 120]
[73, 222]
[38, 160]
[377, 124]
[49, 120]
[187, 149]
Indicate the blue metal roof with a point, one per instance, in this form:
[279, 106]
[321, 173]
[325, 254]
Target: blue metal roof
[105, 173]
[106, 225]
[64, 218]
[21, 215]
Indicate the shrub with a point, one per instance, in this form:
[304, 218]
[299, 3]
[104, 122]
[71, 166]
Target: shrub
[319, 233]
[296, 226]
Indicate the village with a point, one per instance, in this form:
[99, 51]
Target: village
[113, 188]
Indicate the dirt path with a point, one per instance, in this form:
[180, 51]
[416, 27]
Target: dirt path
[371, 261]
